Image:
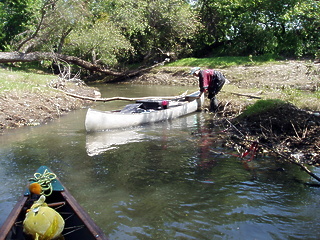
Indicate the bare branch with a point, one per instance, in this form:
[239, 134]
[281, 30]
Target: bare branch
[43, 13]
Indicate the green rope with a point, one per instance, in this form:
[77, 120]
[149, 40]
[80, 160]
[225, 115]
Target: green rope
[44, 180]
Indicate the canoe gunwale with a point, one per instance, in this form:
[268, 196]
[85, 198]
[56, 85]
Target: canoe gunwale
[11, 219]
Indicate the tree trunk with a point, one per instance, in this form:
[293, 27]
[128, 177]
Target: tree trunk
[38, 56]
[6, 57]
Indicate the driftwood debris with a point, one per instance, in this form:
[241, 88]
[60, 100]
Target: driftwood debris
[284, 156]
[125, 98]
[293, 161]
[243, 95]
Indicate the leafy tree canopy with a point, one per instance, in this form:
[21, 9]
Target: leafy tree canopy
[101, 31]
[260, 26]
[109, 32]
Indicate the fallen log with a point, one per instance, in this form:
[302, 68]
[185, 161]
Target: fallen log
[125, 98]
[6, 57]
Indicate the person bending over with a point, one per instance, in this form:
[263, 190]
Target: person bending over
[210, 82]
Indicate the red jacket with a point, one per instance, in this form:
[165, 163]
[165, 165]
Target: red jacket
[205, 79]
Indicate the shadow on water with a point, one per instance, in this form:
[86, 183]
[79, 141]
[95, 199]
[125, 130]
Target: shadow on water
[162, 181]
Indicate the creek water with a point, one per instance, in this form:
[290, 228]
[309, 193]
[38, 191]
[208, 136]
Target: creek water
[167, 180]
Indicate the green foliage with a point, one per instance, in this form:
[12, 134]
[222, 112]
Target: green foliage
[261, 106]
[104, 31]
[113, 31]
[14, 16]
[241, 27]
[103, 43]
[2, 24]
[127, 15]
[154, 27]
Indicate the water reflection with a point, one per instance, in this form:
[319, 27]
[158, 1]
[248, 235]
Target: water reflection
[99, 142]
[163, 181]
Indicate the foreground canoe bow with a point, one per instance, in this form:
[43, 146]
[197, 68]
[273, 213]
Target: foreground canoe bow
[143, 112]
[78, 224]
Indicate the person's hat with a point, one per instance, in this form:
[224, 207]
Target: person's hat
[193, 70]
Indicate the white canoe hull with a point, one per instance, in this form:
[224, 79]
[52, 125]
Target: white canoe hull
[104, 120]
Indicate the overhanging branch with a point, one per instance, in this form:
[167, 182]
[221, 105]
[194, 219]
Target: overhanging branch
[6, 57]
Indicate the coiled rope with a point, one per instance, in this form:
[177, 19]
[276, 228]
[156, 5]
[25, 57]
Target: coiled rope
[44, 180]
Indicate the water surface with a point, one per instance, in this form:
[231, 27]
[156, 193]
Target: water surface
[167, 180]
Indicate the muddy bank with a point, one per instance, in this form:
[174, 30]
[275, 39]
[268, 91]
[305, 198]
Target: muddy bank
[39, 106]
[283, 74]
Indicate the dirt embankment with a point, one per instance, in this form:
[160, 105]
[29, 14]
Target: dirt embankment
[297, 74]
[30, 108]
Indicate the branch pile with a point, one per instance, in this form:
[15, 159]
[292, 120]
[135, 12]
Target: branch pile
[290, 133]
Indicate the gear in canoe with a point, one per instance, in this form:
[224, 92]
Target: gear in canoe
[43, 222]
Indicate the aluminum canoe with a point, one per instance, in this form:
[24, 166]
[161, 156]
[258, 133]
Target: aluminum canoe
[97, 120]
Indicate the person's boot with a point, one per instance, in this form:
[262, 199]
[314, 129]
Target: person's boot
[214, 104]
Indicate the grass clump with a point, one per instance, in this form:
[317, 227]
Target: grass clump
[23, 81]
[262, 106]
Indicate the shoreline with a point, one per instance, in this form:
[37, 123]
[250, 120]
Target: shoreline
[38, 106]
[270, 81]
